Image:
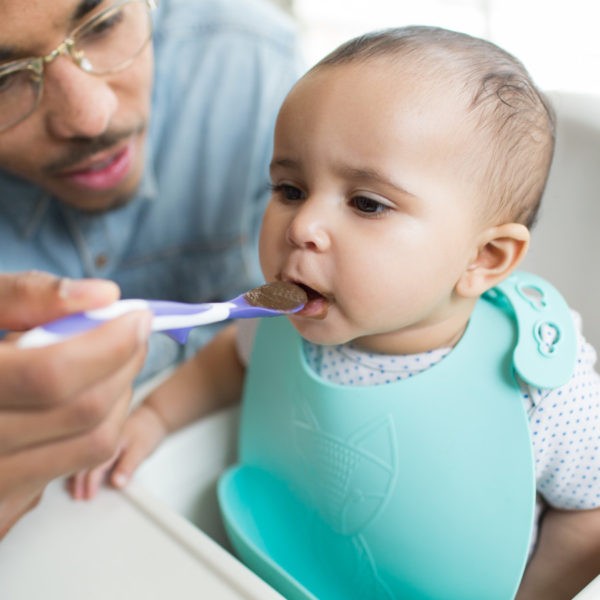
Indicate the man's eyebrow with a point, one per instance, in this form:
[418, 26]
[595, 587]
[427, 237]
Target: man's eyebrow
[83, 8]
[9, 53]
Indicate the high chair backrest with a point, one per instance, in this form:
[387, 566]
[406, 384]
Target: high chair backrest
[565, 245]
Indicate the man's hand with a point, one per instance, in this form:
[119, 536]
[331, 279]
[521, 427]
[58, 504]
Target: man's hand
[62, 406]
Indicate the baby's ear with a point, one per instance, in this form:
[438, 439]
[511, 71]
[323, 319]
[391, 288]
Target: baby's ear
[499, 251]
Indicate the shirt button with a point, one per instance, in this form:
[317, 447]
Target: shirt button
[101, 261]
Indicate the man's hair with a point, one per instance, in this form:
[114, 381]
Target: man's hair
[516, 119]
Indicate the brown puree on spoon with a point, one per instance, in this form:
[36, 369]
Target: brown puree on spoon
[277, 295]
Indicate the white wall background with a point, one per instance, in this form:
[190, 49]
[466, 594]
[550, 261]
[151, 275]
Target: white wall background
[558, 40]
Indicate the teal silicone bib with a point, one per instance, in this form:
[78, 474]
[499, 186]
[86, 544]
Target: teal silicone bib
[422, 488]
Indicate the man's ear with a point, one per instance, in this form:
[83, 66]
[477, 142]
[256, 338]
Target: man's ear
[499, 251]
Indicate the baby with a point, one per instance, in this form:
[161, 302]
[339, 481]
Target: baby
[407, 171]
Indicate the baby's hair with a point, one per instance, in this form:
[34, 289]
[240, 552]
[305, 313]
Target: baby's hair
[516, 118]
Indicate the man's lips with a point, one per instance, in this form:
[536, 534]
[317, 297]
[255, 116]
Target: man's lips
[104, 170]
[93, 161]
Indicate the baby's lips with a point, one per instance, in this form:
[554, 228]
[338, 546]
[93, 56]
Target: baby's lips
[315, 308]
[317, 304]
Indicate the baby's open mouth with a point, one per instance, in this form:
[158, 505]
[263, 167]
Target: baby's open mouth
[317, 304]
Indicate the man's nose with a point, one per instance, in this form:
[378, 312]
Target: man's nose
[76, 103]
[311, 225]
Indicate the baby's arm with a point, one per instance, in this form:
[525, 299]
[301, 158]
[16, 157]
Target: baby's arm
[565, 428]
[210, 380]
[567, 556]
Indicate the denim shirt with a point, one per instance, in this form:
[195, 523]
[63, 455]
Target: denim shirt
[222, 68]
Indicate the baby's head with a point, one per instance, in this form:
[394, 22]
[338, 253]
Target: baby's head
[510, 123]
[408, 166]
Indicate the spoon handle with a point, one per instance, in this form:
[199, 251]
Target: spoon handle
[176, 319]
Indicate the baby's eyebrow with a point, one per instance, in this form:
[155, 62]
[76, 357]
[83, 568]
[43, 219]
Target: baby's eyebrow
[353, 173]
[284, 162]
[367, 174]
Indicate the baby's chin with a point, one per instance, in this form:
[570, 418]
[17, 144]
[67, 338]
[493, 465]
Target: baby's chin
[318, 330]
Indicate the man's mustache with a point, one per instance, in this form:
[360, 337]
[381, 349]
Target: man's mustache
[82, 148]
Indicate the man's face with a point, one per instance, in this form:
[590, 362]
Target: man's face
[85, 142]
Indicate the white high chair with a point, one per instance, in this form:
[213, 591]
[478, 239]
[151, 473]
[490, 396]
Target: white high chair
[564, 249]
[565, 244]
[122, 542]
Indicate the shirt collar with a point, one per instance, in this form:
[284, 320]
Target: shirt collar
[24, 203]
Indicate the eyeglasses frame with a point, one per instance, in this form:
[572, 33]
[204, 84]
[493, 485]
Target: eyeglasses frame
[67, 48]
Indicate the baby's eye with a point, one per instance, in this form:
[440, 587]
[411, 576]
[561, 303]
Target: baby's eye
[288, 192]
[368, 205]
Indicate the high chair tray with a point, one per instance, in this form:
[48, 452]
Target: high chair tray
[122, 546]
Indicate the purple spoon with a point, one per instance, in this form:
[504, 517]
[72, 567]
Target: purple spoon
[176, 319]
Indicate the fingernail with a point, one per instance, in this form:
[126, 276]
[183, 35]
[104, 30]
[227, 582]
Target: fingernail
[65, 288]
[119, 480]
[75, 288]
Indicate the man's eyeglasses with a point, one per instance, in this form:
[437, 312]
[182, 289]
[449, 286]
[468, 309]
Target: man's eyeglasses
[107, 43]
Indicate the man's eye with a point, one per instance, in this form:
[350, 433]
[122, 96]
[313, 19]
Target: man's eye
[367, 205]
[103, 27]
[288, 192]
[8, 81]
